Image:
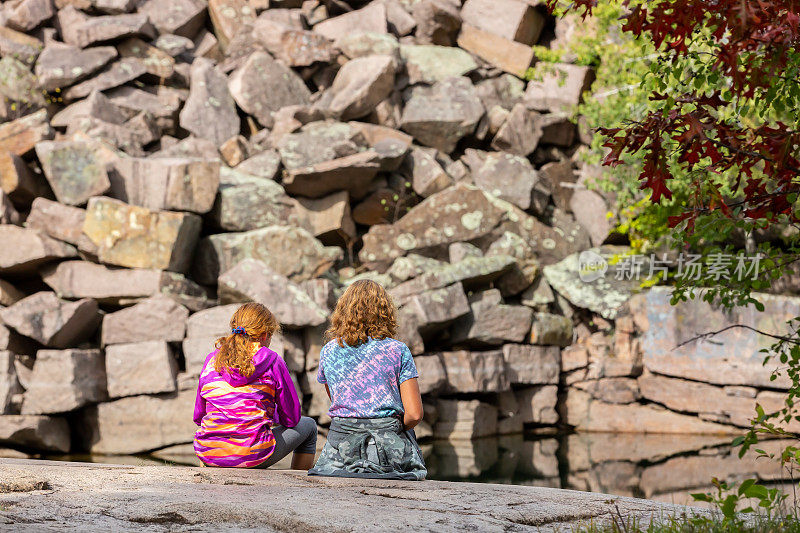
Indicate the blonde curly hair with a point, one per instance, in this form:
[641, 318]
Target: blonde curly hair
[248, 325]
[365, 311]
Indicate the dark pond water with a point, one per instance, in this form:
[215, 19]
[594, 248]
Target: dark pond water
[659, 467]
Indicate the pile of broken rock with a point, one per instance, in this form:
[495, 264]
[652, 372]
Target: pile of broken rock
[162, 162]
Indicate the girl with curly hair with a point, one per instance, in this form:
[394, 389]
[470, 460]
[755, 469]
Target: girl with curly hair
[247, 407]
[371, 380]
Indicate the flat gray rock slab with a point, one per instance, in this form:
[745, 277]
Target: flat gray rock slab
[96, 497]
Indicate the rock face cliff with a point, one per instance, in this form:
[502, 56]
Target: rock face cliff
[91, 497]
[163, 162]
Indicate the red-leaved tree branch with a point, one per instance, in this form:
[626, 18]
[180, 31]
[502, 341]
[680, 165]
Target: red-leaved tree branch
[754, 48]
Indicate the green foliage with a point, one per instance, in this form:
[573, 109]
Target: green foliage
[636, 78]
[631, 69]
[695, 524]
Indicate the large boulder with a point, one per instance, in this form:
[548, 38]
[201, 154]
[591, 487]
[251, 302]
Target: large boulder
[262, 86]
[437, 21]
[427, 175]
[440, 115]
[549, 329]
[360, 85]
[96, 105]
[521, 131]
[140, 368]
[474, 372]
[209, 112]
[491, 322]
[289, 251]
[177, 17]
[138, 237]
[24, 250]
[15, 44]
[532, 365]
[515, 20]
[367, 44]
[558, 87]
[296, 47]
[504, 92]
[471, 272]
[26, 15]
[163, 106]
[431, 63]
[64, 380]
[319, 141]
[157, 63]
[352, 173]
[504, 175]
[247, 202]
[61, 65]
[253, 281]
[588, 414]
[611, 390]
[18, 85]
[734, 405]
[46, 433]
[588, 281]
[51, 321]
[560, 178]
[371, 18]
[505, 54]
[82, 30]
[139, 424]
[464, 213]
[592, 212]
[165, 183]
[121, 286]
[328, 218]
[73, 170]
[262, 165]
[438, 308]
[158, 318]
[735, 354]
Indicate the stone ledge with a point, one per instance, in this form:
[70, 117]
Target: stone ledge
[99, 497]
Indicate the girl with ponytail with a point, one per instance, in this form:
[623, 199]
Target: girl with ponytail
[247, 407]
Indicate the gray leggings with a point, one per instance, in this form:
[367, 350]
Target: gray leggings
[300, 439]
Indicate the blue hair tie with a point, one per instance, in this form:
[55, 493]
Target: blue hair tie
[238, 331]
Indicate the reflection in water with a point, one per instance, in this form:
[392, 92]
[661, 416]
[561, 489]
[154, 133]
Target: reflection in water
[510, 459]
[660, 467]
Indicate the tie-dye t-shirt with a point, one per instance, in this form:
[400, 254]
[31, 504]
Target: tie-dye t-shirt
[365, 380]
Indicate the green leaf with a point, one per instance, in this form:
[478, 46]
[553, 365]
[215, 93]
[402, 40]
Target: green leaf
[759, 492]
[746, 484]
[728, 506]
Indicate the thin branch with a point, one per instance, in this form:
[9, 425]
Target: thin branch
[732, 326]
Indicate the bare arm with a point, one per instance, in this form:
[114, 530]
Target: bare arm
[412, 403]
[329, 392]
